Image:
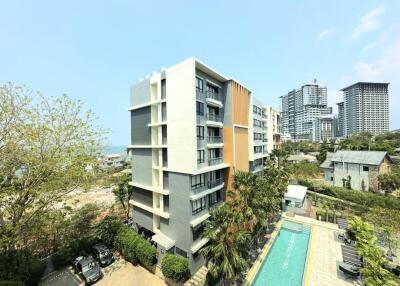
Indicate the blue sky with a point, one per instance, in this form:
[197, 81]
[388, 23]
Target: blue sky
[94, 50]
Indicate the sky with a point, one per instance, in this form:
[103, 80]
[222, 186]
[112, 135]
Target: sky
[95, 50]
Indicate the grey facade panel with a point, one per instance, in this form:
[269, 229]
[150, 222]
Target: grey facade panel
[178, 227]
[140, 93]
[142, 166]
[142, 217]
[143, 196]
[140, 131]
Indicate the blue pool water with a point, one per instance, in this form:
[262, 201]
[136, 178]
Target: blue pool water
[284, 264]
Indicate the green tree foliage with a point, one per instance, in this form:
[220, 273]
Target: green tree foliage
[390, 182]
[107, 229]
[373, 272]
[252, 201]
[45, 145]
[305, 170]
[366, 141]
[292, 147]
[325, 147]
[175, 267]
[20, 266]
[384, 218]
[124, 193]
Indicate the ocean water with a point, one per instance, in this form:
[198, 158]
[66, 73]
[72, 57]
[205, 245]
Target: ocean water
[285, 262]
[107, 150]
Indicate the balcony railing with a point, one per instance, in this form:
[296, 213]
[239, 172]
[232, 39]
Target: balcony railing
[265, 140]
[214, 117]
[214, 183]
[214, 95]
[214, 139]
[215, 161]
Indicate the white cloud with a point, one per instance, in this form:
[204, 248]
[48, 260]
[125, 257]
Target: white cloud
[370, 22]
[326, 33]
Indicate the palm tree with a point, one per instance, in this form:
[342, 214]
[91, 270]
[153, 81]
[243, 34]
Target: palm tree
[227, 251]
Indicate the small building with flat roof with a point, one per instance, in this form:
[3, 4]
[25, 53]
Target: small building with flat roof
[293, 200]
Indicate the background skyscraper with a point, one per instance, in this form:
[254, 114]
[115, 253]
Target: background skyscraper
[366, 108]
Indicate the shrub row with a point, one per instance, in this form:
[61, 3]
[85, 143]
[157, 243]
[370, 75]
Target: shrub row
[135, 248]
[362, 198]
[175, 267]
[331, 215]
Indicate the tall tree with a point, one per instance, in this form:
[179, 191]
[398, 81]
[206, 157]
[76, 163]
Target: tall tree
[124, 193]
[45, 145]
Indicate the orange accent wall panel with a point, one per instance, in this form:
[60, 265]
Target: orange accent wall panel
[241, 149]
[240, 102]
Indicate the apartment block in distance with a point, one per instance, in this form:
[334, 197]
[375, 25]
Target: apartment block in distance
[191, 129]
[273, 128]
[300, 108]
[366, 108]
[324, 128]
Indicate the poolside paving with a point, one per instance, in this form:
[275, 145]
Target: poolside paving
[324, 254]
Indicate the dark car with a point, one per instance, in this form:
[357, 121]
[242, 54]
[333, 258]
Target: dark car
[88, 269]
[103, 255]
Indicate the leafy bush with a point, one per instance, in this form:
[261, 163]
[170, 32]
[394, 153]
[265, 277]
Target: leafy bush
[21, 265]
[175, 267]
[135, 248]
[108, 228]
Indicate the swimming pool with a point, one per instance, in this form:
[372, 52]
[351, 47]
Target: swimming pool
[284, 264]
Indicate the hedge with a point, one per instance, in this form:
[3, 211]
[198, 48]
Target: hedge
[134, 248]
[175, 267]
[331, 215]
[362, 198]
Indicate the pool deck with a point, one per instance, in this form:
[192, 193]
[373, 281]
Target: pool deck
[323, 254]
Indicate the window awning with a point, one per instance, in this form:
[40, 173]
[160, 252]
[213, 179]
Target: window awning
[163, 240]
[199, 245]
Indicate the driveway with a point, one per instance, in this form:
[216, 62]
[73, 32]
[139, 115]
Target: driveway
[123, 273]
[119, 273]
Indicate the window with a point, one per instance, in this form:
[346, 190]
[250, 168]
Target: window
[200, 132]
[258, 149]
[212, 89]
[200, 156]
[365, 168]
[199, 108]
[257, 136]
[198, 205]
[213, 198]
[198, 181]
[199, 84]
[198, 230]
[256, 123]
[254, 109]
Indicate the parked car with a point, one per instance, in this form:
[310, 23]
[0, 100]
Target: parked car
[103, 255]
[88, 269]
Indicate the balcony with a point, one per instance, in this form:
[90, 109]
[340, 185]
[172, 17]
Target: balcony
[215, 183]
[214, 99]
[214, 139]
[214, 161]
[214, 120]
